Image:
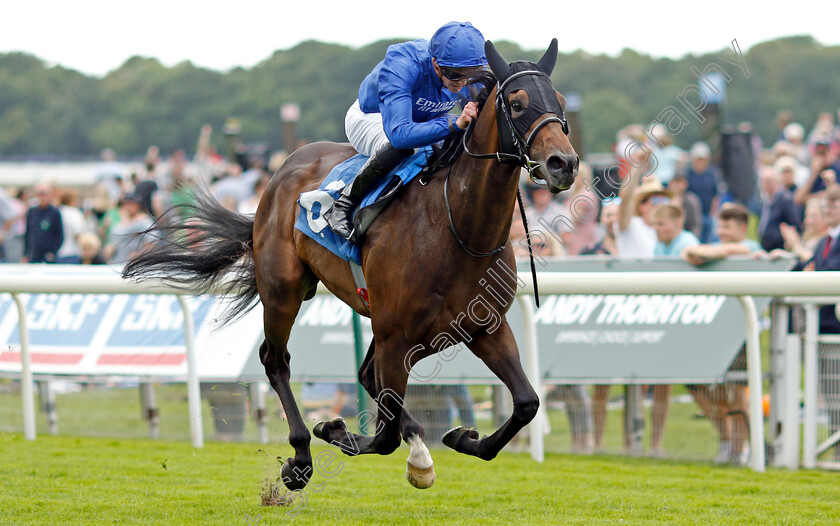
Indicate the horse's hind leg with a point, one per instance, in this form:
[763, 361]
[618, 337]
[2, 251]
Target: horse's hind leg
[391, 379]
[499, 352]
[419, 469]
[275, 358]
[367, 377]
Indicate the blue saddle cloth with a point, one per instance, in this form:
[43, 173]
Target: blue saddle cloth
[313, 204]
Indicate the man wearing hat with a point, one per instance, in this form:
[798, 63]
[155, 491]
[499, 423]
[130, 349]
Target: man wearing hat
[635, 236]
[704, 182]
[404, 104]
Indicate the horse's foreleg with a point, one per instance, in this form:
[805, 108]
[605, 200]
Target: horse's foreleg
[498, 351]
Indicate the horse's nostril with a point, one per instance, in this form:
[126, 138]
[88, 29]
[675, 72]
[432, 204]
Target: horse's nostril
[555, 164]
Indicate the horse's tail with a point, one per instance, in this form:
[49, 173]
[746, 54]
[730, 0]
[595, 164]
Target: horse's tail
[199, 246]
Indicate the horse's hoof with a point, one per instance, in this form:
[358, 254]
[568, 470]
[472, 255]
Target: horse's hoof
[320, 432]
[293, 481]
[453, 436]
[420, 478]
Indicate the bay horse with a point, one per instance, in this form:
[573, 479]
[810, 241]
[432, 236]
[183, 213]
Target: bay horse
[424, 261]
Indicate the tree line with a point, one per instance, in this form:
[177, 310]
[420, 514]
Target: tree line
[48, 109]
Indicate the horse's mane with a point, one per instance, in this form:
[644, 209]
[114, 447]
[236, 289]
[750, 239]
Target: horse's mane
[452, 146]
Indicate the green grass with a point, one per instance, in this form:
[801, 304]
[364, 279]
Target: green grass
[72, 480]
[115, 412]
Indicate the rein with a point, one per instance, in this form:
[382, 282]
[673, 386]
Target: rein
[530, 249]
[478, 254]
[472, 252]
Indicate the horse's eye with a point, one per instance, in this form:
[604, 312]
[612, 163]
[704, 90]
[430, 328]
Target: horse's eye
[516, 105]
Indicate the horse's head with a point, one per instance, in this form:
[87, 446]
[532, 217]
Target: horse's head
[531, 120]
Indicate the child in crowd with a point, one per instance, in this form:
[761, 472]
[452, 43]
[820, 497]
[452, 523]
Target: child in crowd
[672, 238]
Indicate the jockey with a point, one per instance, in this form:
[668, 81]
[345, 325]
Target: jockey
[404, 104]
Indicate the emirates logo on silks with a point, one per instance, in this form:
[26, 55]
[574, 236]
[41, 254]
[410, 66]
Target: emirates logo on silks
[430, 106]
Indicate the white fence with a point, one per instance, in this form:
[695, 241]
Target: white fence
[795, 361]
[93, 283]
[743, 285]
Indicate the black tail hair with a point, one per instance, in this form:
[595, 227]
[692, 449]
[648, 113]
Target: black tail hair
[198, 246]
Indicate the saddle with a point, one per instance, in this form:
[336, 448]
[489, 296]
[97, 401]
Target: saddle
[313, 204]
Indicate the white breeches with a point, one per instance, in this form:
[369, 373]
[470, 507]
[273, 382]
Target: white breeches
[364, 130]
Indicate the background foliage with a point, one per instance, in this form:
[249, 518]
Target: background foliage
[47, 109]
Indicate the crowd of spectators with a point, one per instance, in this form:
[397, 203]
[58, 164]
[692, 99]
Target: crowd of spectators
[110, 221]
[674, 206]
[677, 205]
[793, 172]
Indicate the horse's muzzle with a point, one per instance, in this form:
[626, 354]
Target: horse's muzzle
[560, 171]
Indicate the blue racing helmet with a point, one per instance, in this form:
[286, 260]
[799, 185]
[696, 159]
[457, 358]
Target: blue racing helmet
[458, 45]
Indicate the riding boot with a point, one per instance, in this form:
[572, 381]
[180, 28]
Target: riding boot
[340, 216]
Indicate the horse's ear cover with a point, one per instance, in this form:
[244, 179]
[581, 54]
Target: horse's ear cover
[549, 59]
[497, 63]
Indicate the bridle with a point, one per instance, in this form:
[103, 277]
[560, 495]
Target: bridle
[514, 145]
